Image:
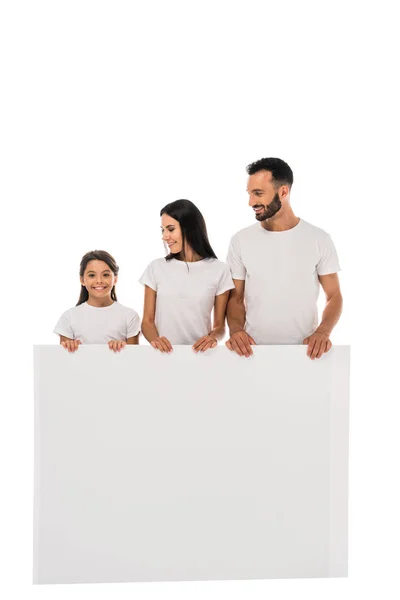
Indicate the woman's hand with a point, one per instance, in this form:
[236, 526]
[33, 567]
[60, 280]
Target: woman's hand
[116, 345]
[162, 343]
[71, 345]
[204, 343]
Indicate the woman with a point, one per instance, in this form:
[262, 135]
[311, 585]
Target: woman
[182, 288]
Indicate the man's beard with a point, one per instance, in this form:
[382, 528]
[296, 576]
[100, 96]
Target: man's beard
[271, 209]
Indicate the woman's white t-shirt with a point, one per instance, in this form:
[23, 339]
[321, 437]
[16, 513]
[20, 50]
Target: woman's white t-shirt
[98, 325]
[186, 295]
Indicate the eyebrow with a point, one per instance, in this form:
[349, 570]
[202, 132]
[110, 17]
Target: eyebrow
[255, 190]
[105, 271]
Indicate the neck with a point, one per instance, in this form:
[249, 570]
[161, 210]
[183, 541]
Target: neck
[100, 302]
[191, 256]
[282, 221]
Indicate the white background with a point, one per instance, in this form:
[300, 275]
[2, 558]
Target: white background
[110, 110]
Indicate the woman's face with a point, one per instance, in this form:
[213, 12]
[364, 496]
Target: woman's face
[171, 234]
[98, 279]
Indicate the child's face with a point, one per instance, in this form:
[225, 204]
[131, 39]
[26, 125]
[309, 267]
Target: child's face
[98, 279]
[171, 233]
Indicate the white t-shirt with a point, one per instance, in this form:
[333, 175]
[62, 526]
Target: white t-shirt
[98, 325]
[186, 295]
[281, 271]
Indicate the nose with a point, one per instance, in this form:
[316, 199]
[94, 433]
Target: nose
[252, 200]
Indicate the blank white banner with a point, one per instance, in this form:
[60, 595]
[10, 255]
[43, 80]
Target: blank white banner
[152, 467]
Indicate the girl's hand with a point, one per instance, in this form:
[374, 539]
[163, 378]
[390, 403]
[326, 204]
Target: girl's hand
[116, 345]
[204, 343]
[71, 345]
[161, 343]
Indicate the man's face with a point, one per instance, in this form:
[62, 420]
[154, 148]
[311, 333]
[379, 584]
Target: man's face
[263, 197]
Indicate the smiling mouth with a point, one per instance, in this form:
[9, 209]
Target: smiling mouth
[100, 289]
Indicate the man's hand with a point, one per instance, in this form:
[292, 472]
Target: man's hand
[318, 343]
[241, 342]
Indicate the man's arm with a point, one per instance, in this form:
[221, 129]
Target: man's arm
[236, 312]
[239, 340]
[319, 341]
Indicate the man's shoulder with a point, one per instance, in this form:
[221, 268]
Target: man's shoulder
[310, 229]
[247, 232]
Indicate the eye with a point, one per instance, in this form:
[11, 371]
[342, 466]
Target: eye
[106, 274]
[91, 275]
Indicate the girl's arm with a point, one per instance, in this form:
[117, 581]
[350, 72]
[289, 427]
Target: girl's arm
[218, 330]
[149, 328]
[69, 344]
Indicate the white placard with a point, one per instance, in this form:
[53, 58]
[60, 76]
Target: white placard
[152, 467]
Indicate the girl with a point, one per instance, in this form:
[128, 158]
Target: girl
[98, 318]
[182, 288]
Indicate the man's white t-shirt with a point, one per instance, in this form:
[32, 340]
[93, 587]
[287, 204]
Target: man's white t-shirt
[186, 295]
[98, 325]
[281, 269]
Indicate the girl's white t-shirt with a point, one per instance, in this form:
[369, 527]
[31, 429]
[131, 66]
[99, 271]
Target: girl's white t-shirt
[98, 325]
[186, 295]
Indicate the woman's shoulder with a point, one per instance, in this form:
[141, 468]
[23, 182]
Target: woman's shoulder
[217, 265]
[158, 263]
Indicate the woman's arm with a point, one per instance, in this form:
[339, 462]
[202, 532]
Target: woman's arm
[149, 328]
[218, 331]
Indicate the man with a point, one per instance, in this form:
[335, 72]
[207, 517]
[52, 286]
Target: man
[277, 265]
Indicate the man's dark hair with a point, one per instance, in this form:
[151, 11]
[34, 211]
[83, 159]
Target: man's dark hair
[281, 172]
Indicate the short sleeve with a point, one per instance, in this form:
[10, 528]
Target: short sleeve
[328, 262]
[148, 278]
[64, 326]
[225, 281]
[234, 261]
[132, 324]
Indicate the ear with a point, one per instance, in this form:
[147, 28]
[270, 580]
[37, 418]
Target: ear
[284, 192]
[115, 279]
[81, 280]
